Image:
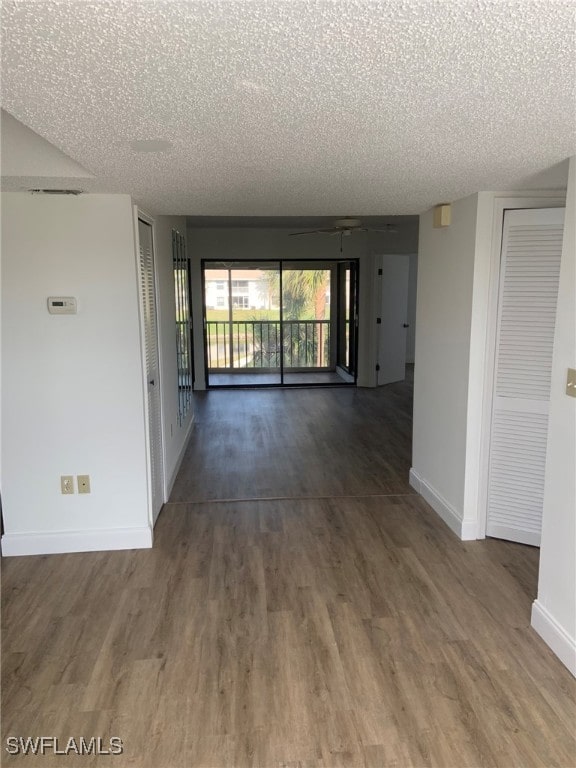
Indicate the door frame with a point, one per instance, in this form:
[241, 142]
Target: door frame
[139, 214]
[501, 204]
[352, 308]
[281, 262]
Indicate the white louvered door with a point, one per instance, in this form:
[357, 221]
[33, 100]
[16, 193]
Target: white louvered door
[148, 301]
[529, 273]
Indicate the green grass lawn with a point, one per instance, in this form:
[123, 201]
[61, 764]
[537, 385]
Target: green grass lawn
[243, 314]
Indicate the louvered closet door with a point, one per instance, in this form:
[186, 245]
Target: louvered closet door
[530, 268]
[148, 300]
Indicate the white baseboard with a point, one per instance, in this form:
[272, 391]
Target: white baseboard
[465, 530]
[554, 635]
[172, 478]
[59, 542]
[414, 480]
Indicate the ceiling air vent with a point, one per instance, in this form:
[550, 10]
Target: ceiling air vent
[56, 191]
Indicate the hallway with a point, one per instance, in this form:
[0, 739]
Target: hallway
[336, 621]
[294, 443]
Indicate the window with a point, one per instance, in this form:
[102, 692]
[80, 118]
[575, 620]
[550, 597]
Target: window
[220, 301]
[181, 267]
[240, 302]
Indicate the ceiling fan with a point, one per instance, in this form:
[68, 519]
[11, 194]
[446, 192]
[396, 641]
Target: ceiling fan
[345, 227]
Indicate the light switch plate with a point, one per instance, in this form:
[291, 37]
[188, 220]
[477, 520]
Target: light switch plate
[571, 382]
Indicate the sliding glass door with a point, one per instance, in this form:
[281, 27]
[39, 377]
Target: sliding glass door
[279, 323]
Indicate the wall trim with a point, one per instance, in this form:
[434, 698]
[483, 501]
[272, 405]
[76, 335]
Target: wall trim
[554, 635]
[464, 529]
[172, 479]
[58, 542]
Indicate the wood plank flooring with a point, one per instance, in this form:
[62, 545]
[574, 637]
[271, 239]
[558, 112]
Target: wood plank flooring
[279, 443]
[289, 633]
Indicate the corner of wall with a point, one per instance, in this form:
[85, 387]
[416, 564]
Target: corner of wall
[554, 635]
[554, 612]
[465, 530]
[443, 319]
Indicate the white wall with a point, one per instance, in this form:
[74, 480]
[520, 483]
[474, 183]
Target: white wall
[175, 435]
[554, 612]
[443, 323]
[72, 394]
[228, 244]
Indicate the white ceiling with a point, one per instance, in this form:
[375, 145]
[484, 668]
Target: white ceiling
[297, 108]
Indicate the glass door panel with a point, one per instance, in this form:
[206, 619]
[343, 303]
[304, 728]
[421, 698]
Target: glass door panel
[306, 323]
[242, 323]
[255, 326]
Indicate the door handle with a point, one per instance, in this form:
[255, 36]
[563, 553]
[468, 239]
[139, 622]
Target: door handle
[151, 382]
[406, 325]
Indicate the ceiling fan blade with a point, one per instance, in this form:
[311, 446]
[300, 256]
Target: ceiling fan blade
[390, 230]
[315, 232]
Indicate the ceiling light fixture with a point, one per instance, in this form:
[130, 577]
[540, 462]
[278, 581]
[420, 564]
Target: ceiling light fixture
[346, 227]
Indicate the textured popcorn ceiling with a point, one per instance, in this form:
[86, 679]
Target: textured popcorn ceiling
[280, 108]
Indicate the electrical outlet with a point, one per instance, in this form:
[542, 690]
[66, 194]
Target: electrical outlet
[67, 484]
[83, 483]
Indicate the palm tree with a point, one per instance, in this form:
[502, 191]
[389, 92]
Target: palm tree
[307, 288]
[304, 292]
[304, 296]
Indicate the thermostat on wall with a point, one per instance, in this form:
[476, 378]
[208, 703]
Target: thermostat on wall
[62, 305]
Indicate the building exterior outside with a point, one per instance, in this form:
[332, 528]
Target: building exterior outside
[249, 291]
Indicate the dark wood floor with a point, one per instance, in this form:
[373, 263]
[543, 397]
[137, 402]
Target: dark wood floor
[278, 443]
[333, 630]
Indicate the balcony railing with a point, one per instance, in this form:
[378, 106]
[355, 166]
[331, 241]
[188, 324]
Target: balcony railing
[265, 344]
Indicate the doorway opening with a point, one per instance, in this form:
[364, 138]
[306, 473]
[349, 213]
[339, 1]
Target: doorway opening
[280, 323]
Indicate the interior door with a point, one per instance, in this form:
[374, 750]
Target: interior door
[392, 321]
[529, 274]
[148, 303]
